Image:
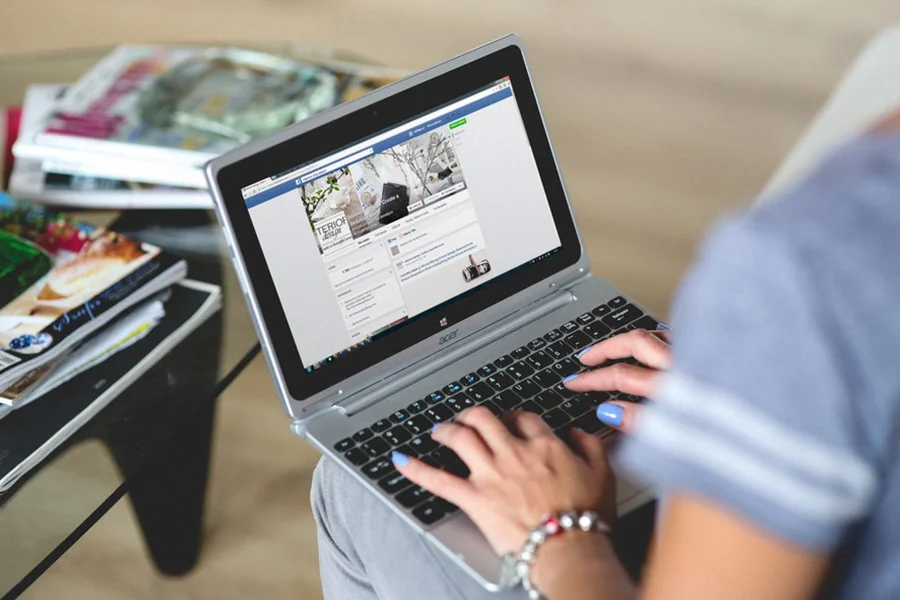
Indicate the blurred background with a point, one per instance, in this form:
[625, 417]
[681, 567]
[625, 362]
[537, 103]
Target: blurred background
[665, 114]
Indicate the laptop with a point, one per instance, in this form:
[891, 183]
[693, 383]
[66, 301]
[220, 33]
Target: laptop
[408, 255]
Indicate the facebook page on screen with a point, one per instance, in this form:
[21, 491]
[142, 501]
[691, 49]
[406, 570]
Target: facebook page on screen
[359, 241]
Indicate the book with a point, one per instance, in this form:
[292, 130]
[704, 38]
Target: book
[60, 282]
[157, 114]
[30, 181]
[31, 433]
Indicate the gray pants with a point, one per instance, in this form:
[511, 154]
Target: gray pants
[367, 552]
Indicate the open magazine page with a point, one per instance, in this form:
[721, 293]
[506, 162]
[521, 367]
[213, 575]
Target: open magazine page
[61, 280]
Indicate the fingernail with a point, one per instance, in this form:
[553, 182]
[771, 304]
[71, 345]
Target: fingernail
[583, 352]
[663, 326]
[578, 429]
[610, 413]
[434, 427]
[571, 377]
[399, 459]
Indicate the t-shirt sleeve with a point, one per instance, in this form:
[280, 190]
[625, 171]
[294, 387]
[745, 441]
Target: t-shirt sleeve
[757, 413]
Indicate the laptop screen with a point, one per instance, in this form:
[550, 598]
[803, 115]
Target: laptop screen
[401, 223]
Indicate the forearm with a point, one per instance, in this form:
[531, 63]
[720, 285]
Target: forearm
[581, 565]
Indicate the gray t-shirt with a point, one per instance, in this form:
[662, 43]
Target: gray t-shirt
[783, 403]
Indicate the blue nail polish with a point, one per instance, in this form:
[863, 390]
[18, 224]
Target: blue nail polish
[583, 352]
[610, 413]
[571, 377]
[663, 327]
[399, 459]
[434, 427]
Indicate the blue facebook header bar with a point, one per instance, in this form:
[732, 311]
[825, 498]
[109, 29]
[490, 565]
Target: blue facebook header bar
[438, 121]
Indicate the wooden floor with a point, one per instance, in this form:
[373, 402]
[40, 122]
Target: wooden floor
[665, 114]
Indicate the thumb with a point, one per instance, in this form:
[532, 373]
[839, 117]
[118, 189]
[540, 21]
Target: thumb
[621, 415]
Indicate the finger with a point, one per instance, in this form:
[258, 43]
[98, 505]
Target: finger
[643, 345]
[466, 442]
[621, 415]
[494, 432]
[449, 487]
[590, 447]
[528, 425]
[622, 377]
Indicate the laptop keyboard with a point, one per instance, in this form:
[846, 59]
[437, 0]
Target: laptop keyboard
[528, 379]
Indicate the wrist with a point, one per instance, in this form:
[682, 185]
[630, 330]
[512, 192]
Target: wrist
[565, 556]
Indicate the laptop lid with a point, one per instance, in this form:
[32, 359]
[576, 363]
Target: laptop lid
[383, 230]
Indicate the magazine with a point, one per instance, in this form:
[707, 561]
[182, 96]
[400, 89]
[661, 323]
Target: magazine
[157, 114]
[29, 180]
[32, 432]
[60, 281]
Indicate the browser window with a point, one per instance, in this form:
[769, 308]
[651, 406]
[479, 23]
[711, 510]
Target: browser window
[366, 238]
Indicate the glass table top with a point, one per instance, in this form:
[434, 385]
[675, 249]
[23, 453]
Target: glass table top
[56, 502]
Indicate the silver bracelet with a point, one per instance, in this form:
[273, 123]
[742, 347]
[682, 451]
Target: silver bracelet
[516, 568]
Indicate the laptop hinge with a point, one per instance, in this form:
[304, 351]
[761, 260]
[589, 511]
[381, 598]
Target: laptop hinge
[428, 365]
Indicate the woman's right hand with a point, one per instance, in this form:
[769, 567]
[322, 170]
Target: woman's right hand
[650, 348]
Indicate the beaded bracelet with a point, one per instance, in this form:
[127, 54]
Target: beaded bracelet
[516, 568]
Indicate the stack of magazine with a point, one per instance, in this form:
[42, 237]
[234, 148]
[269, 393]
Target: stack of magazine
[71, 297]
[136, 130]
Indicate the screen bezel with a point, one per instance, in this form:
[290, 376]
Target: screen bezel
[351, 128]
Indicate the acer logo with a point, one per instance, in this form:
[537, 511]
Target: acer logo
[449, 337]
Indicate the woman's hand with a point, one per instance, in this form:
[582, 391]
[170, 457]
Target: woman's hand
[649, 348]
[520, 472]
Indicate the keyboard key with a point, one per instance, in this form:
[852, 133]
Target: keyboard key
[378, 468]
[566, 367]
[455, 404]
[459, 469]
[569, 327]
[469, 379]
[356, 456]
[428, 513]
[487, 370]
[480, 392]
[536, 344]
[589, 423]
[430, 462]
[622, 316]
[439, 413]
[553, 335]
[398, 435]
[445, 506]
[617, 302]
[548, 399]
[506, 400]
[585, 318]
[555, 418]
[530, 406]
[503, 362]
[413, 497]
[407, 450]
[451, 388]
[464, 400]
[520, 352]
[595, 399]
[418, 424]
[380, 425]
[546, 378]
[520, 370]
[563, 391]
[579, 340]
[558, 350]
[445, 456]
[424, 444]
[491, 406]
[344, 445]
[375, 447]
[602, 310]
[645, 322]
[526, 389]
[399, 416]
[434, 397]
[362, 435]
[417, 407]
[575, 407]
[500, 381]
[394, 482]
[597, 330]
[539, 360]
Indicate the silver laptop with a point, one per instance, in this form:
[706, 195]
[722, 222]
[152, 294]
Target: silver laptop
[411, 254]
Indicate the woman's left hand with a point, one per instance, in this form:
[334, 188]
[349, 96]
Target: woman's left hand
[520, 472]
